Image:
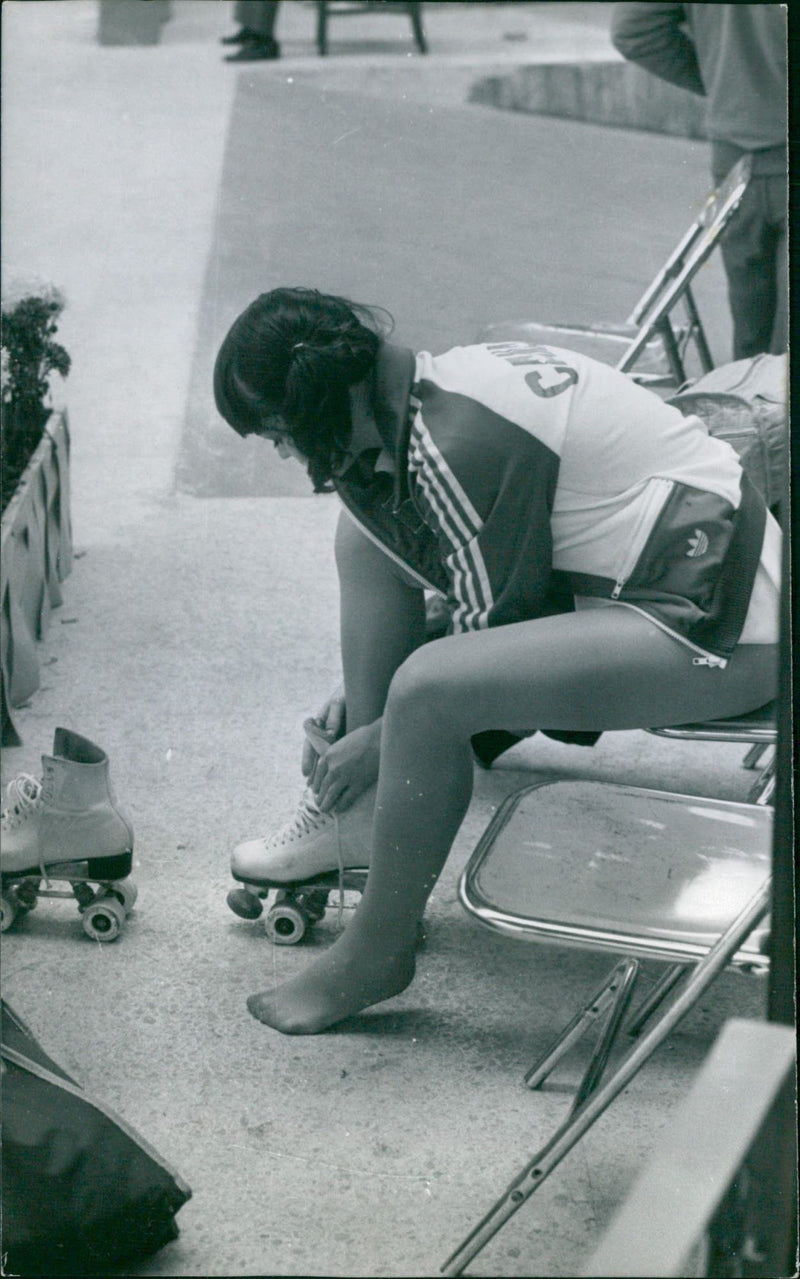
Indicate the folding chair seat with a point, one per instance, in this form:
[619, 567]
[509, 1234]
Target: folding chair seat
[325, 11]
[641, 873]
[650, 345]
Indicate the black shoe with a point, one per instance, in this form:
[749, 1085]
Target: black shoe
[257, 50]
[240, 37]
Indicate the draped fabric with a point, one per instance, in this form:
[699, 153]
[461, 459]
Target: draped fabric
[35, 558]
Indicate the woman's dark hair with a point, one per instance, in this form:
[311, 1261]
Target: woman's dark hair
[296, 353]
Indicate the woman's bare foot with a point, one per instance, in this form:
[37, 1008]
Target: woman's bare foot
[346, 979]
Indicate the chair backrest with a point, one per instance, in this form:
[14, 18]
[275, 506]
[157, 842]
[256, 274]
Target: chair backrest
[677, 273]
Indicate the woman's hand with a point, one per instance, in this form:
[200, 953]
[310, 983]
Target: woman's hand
[331, 723]
[347, 769]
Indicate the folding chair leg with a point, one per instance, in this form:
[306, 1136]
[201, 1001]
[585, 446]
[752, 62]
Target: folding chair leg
[753, 756]
[610, 1003]
[322, 28]
[658, 994]
[629, 971]
[415, 13]
[571, 1131]
[698, 332]
[763, 790]
[664, 328]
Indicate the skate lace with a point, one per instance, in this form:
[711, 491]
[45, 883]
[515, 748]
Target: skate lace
[307, 818]
[340, 859]
[23, 798]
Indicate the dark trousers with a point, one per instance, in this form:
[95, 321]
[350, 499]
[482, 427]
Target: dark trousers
[257, 15]
[755, 254]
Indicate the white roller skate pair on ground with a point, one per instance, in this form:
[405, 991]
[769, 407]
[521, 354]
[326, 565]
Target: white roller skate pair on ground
[68, 828]
[313, 854]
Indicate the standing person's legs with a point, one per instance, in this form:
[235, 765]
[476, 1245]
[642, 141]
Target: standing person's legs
[256, 32]
[600, 669]
[258, 16]
[750, 248]
[777, 196]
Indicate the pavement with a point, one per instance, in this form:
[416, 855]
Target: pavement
[200, 622]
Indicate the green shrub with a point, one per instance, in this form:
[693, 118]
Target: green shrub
[29, 356]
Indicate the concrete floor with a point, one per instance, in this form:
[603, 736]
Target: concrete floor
[186, 649]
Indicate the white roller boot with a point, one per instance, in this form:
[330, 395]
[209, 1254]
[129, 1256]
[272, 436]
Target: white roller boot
[68, 827]
[311, 854]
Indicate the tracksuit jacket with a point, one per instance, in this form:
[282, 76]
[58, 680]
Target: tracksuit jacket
[526, 475]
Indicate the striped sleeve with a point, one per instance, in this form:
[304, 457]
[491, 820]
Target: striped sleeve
[459, 526]
[484, 485]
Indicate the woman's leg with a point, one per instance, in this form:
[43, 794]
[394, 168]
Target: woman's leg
[600, 669]
[382, 621]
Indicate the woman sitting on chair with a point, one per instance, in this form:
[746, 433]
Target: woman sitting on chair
[606, 565]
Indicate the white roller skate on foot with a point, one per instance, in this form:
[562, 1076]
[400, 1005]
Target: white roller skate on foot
[313, 853]
[68, 828]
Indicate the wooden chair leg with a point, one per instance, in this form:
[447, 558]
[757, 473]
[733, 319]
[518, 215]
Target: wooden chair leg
[415, 13]
[322, 28]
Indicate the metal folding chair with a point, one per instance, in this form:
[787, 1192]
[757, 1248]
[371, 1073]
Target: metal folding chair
[650, 345]
[330, 10]
[644, 874]
[758, 729]
[718, 1198]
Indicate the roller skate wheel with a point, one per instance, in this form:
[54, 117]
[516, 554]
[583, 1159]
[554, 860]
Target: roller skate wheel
[103, 920]
[244, 903]
[285, 925]
[126, 892]
[8, 913]
[26, 895]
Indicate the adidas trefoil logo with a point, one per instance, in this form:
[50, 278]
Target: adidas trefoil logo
[698, 545]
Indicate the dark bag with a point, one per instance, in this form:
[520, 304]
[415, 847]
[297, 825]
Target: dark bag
[746, 403]
[82, 1192]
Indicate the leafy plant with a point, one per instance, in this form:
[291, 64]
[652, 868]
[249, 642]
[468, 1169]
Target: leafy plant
[29, 357]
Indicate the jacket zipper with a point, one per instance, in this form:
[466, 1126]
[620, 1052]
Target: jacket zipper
[428, 586]
[704, 659]
[656, 493]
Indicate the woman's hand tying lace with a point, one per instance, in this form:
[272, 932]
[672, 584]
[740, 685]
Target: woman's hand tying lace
[348, 768]
[330, 722]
